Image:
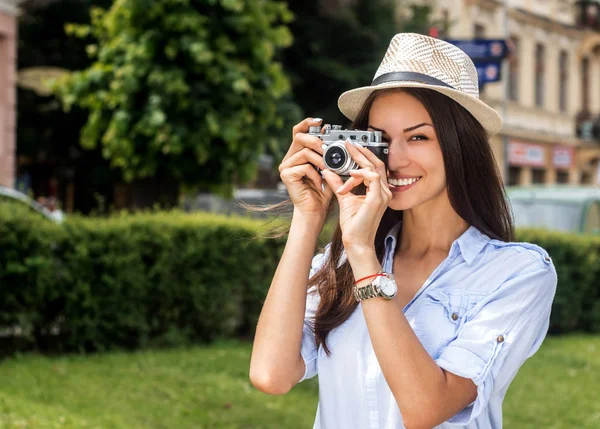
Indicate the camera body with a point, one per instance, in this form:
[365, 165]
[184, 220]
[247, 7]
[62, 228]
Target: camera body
[337, 158]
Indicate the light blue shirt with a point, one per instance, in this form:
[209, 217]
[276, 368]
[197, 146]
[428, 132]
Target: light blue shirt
[483, 311]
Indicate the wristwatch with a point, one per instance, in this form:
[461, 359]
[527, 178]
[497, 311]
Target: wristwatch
[384, 286]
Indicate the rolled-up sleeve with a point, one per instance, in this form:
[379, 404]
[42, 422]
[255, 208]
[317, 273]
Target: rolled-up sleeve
[309, 347]
[500, 334]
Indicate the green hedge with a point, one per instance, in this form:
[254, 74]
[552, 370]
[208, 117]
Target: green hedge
[577, 261]
[165, 279]
[130, 281]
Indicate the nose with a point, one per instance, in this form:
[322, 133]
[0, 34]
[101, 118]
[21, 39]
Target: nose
[398, 155]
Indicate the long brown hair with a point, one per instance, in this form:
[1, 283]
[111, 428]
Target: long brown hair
[474, 188]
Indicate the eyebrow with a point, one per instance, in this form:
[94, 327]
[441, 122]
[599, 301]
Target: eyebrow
[406, 130]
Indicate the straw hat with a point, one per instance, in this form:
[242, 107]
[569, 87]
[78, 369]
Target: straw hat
[417, 61]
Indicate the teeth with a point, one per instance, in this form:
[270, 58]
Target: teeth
[402, 182]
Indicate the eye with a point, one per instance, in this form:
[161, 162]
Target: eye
[419, 137]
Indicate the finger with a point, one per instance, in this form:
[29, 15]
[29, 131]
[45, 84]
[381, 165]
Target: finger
[297, 173]
[380, 166]
[373, 183]
[367, 159]
[349, 184]
[311, 142]
[302, 157]
[333, 180]
[302, 127]
[358, 156]
[302, 140]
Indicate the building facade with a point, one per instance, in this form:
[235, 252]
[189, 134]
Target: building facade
[549, 95]
[8, 82]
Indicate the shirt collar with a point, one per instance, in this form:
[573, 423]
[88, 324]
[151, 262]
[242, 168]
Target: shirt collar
[470, 243]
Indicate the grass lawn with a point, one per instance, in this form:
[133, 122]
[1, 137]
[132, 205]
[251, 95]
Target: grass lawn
[208, 387]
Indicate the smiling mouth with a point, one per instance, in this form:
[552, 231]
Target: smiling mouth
[403, 182]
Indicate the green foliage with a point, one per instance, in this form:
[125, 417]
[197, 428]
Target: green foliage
[340, 49]
[169, 278]
[577, 262]
[208, 387]
[131, 281]
[184, 88]
[47, 137]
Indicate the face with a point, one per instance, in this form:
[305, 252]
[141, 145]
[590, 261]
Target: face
[416, 173]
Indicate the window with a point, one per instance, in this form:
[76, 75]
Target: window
[513, 71]
[539, 176]
[562, 176]
[514, 176]
[586, 178]
[479, 31]
[563, 70]
[539, 75]
[585, 82]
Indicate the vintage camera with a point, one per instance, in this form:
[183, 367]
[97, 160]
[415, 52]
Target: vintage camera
[336, 157]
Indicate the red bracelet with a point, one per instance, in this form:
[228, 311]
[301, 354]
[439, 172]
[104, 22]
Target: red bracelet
[368, 277]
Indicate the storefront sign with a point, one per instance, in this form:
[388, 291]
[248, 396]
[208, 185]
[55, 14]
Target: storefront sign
[526, 154]
[563, 157]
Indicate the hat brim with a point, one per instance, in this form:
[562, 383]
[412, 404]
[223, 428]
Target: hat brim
[350, 102]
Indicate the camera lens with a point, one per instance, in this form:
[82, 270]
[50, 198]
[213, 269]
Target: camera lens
[335, 157]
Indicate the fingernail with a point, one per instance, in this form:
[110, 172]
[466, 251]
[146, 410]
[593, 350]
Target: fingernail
[316, 120]
[323, 146]
[322, 186]
[338, 189]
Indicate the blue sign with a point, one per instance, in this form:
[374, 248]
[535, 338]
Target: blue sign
[487, 55]
[488, 71]
[482, 49]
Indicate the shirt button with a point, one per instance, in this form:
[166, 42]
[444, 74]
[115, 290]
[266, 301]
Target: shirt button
[500, 338]
[547, 259]
[454, 316]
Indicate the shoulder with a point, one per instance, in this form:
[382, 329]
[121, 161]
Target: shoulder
[520, 265]
[532, 255]
[501, 265]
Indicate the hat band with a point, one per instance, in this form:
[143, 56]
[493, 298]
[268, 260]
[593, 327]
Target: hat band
[410, 77]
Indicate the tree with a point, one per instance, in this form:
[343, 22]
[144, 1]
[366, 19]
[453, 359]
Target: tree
[47, 137]
[182, 90]
[337, 48]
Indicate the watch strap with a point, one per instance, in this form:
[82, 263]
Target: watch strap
[370, 290]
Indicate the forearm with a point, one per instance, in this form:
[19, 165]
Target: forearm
[277, 343]
[416, 381]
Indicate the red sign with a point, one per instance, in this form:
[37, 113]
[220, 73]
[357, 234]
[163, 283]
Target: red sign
[526, 154]
[563, 157]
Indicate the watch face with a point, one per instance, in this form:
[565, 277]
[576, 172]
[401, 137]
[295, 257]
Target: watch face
[388, 286]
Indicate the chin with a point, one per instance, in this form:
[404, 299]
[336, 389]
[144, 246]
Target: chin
[398, 203]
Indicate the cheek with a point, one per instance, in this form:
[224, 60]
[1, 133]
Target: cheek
[430, 159]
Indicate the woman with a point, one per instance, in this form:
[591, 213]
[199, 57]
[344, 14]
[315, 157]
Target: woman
[438, 345]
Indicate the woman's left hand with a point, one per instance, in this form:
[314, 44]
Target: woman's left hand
[360, 214]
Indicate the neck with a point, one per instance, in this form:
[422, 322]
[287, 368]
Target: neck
[433, 226]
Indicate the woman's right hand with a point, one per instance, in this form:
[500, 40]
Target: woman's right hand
[302, 180]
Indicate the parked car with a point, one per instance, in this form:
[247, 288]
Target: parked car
[9, 194]
[566, 208]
